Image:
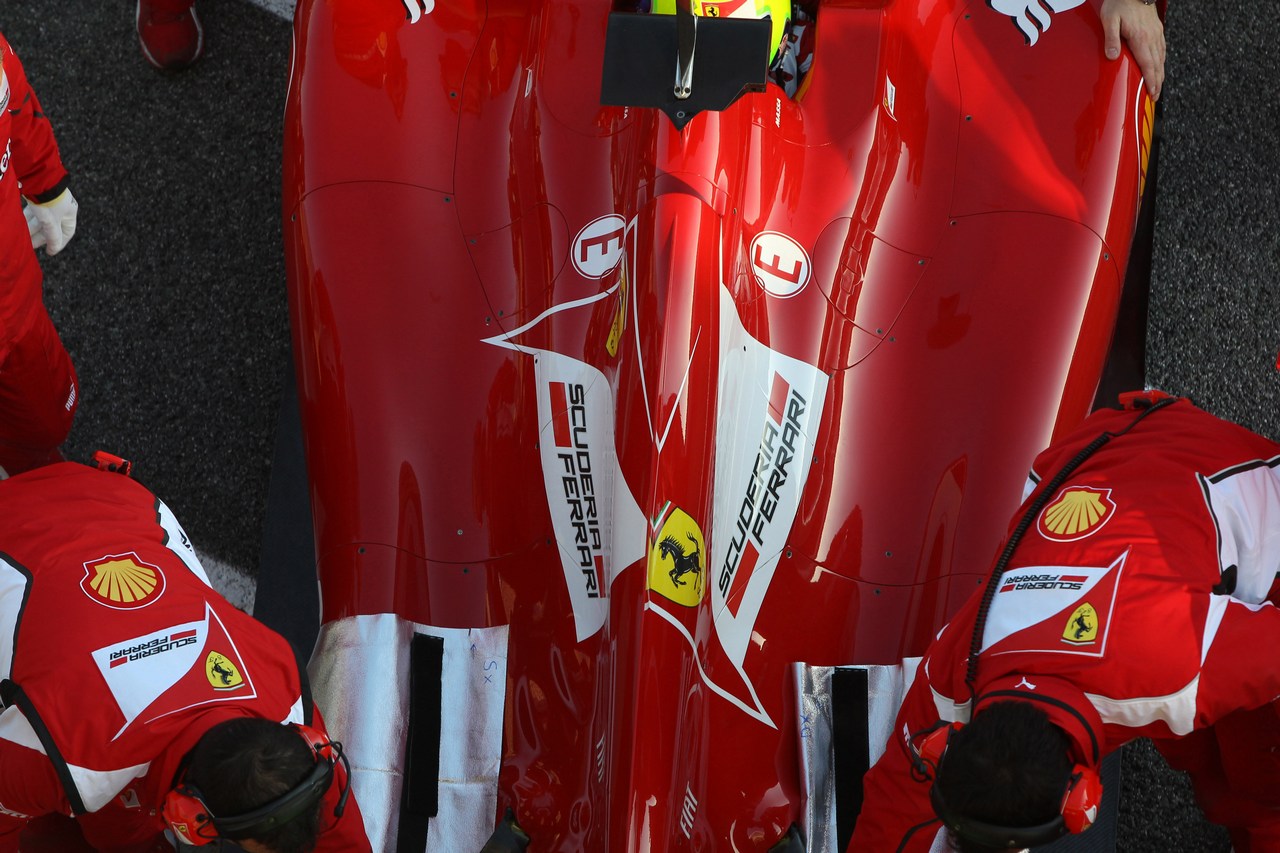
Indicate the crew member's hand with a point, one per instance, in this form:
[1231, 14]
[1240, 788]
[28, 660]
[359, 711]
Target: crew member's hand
[53, 223]
[1140, 27]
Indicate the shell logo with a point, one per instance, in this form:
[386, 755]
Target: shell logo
[221, 672]
[1079, 511]
[122, 581]
[1082, 626]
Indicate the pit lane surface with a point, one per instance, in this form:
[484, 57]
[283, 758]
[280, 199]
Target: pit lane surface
[171, 297]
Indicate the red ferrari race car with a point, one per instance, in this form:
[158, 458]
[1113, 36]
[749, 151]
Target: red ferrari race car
[641, 386]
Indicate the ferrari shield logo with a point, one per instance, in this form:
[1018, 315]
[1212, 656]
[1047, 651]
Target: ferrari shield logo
[1077, 512]
[122, 581]
[676, 560]
[1082, 627]
[221, 672]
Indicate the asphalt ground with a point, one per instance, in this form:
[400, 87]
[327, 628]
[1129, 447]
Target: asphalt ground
[171, 297]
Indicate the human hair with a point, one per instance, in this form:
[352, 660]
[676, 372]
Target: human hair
[1009, 767]
[244, 764]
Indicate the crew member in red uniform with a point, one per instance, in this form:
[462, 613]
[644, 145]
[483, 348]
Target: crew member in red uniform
[38, 390]
[137, 699]
[1133, 598]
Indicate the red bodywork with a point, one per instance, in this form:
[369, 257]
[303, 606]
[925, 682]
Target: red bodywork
[953, 209]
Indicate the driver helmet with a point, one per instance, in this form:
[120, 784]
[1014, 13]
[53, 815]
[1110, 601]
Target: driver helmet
[777, 11]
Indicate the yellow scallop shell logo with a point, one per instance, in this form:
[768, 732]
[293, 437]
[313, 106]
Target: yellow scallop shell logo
[1077, 512]
[122, 581]
[221, 672]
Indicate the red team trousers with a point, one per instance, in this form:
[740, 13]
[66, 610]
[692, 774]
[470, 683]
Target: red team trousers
[39, 394]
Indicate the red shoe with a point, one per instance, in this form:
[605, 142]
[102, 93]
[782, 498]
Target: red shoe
[169, 32]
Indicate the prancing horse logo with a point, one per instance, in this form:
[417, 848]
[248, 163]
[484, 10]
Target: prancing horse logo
[675, 559]
[221, 672]
[682, 562]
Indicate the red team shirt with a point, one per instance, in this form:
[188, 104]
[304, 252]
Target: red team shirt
[1109, 602]
[38, 387]
[116, 656]
[30, 163]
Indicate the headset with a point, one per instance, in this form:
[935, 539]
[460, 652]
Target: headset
[186, 814]
[1077, 812]
[1083, 793]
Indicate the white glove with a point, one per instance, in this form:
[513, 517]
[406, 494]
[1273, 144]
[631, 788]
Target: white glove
[53, 223]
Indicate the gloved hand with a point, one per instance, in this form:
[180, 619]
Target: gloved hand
[53, 223]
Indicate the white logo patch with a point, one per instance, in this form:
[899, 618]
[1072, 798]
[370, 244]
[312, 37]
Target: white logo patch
[141, 670]
[598, 524]
[1031, 16]
[598, 246]
[781, 265]
[1035, 594]
[418, 8]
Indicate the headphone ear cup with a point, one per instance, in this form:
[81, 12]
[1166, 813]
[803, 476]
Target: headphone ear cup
[188, 817]
[1084, 795]
[325, 751]
[934, 744]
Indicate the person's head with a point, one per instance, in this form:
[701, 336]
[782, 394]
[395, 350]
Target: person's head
[246, 766]
[1009, 767]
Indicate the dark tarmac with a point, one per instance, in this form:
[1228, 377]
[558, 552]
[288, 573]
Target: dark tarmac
[171, 297]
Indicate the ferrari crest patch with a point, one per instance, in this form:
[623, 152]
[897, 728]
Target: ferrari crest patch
[676, 560]
[221, 672]
[1082, 626]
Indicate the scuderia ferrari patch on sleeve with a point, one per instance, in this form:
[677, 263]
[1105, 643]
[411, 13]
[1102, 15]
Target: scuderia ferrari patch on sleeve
[1061, 609]
[173, 669]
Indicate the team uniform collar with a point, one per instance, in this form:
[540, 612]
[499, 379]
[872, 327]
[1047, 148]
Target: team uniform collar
[1067, 706]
